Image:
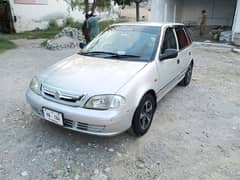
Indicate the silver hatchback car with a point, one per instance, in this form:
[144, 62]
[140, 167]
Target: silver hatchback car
[115, 82]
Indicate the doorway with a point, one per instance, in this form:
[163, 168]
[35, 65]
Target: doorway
[6, 21]
[220, 16]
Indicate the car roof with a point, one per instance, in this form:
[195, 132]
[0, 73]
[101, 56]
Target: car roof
[154, 24]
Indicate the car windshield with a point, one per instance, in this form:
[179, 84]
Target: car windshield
[128, 42]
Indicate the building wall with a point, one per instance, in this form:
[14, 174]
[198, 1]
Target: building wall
[166, 10]
[219, 12]
[32, 16]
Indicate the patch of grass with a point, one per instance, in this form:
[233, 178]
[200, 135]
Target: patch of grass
[53, 29]
[5, 44]
[36, 34]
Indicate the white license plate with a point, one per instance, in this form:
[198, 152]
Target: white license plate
[53, 116]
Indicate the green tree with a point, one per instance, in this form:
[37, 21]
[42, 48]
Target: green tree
[128, 2]
[86, 5]
[101, 4]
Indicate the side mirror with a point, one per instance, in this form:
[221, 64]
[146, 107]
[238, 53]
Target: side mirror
[168, 54]
[82, 45]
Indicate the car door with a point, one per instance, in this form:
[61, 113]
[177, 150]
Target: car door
[167, 67]
[184, 43]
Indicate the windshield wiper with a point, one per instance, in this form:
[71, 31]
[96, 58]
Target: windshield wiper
[122, 56]
[111, 54]
[97, 52]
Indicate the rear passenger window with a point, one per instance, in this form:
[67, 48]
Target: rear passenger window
[188, 35]
[169, 40]
[182, 38]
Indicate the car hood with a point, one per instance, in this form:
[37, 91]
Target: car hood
[91, 75]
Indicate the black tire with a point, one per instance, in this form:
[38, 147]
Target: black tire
[143, 115]
[188, 76]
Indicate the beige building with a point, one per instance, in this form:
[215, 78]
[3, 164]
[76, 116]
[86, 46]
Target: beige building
[219, 13]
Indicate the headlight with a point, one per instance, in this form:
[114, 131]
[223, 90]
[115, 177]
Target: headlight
[104, 102]
[35, 86]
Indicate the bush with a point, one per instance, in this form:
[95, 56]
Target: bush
[52, 24]
[69, 22]
[77, 25]
[104, 24]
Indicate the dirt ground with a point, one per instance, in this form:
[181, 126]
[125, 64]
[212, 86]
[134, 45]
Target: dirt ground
[195, 133]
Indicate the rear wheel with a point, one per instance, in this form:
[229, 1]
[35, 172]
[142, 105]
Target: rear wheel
[143, 116]
[188, 76]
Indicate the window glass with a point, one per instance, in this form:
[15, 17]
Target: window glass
[169, 40]
[127, 39]
[182, 39]
[188, 36]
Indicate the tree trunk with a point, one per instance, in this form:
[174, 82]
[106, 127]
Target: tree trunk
[137, 11]
[86, 6]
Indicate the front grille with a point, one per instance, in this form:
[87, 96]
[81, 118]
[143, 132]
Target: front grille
[68, 123]
[82, 126]
[61, 96]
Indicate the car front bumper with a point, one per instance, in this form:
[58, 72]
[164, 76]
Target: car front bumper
[95, 122]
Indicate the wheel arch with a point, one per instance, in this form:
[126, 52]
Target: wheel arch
[153, 93]
[150, 91]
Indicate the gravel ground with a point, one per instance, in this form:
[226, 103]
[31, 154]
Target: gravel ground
[194, 135]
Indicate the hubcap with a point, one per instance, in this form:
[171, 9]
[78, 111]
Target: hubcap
[146, 115]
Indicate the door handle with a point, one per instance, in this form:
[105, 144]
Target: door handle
[178, 61]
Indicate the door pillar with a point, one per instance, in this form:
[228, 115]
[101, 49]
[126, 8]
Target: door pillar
[236, 25]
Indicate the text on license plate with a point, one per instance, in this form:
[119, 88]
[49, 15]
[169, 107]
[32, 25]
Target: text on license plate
[53, 116]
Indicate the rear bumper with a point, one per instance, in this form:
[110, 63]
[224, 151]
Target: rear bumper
[95, 122]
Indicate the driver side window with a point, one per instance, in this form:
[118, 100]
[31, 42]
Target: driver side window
[169, 40]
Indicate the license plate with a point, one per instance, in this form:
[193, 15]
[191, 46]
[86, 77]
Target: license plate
[53, 116]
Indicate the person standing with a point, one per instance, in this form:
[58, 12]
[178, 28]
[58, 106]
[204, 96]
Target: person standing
[85, 29]
[203, 23]
[93, 25]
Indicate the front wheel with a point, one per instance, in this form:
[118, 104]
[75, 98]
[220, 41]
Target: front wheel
[143, 116]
